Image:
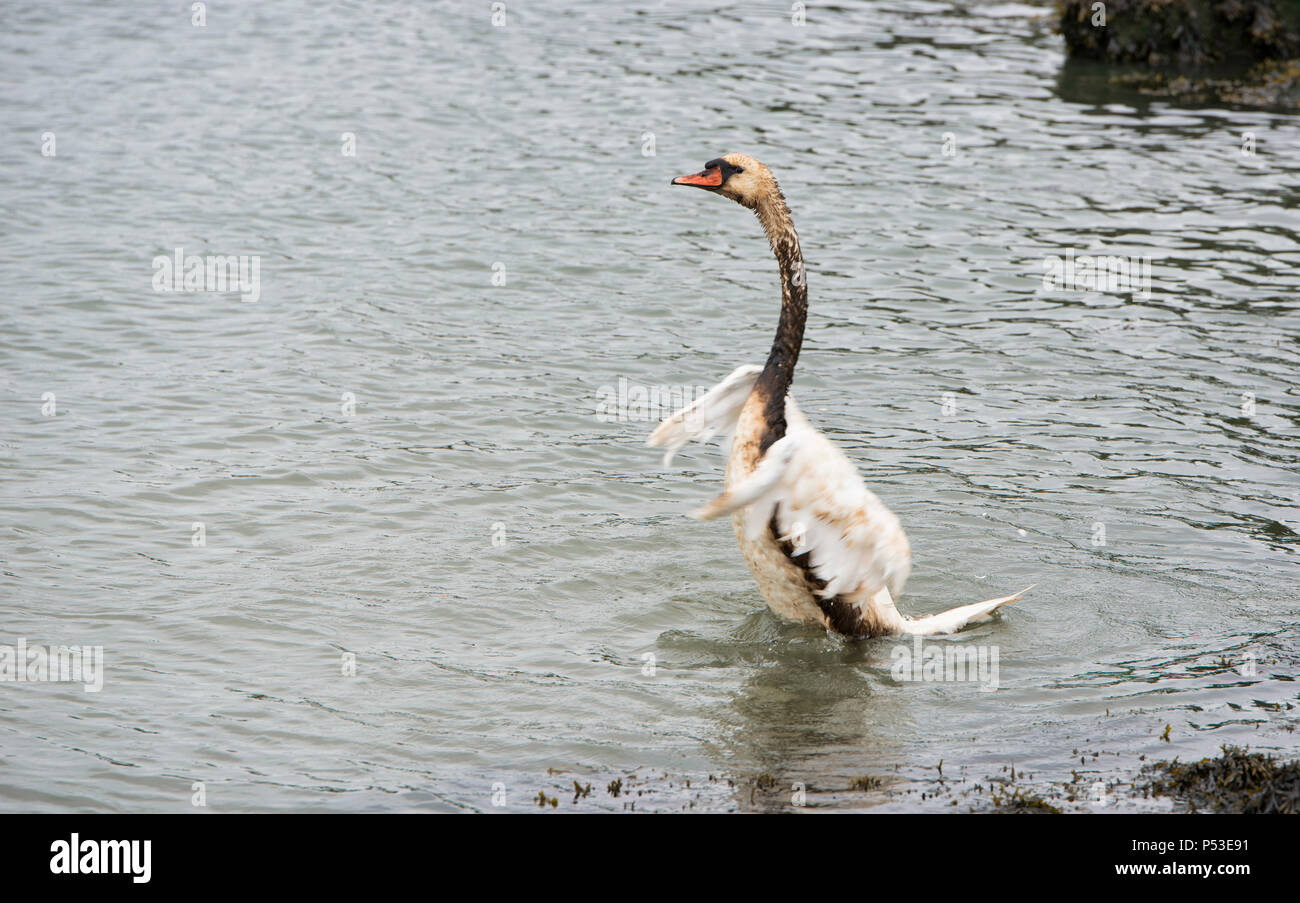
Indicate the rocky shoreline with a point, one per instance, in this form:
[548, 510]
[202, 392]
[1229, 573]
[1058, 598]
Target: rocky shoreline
[1242, 52]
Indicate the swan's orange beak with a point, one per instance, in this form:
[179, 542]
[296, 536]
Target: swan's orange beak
[705, 178]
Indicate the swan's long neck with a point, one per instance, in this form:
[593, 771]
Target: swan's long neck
[775, 379]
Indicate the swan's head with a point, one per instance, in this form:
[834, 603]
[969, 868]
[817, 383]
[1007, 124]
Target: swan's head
[737, 176]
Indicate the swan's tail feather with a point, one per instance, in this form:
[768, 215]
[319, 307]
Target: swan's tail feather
[714, 412]
[955, 619]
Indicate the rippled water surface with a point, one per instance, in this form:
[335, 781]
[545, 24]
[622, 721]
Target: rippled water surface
[515, 574]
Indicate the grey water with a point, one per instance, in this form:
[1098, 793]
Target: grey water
[387, 537]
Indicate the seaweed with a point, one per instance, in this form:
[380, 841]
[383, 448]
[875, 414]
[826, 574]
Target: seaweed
[1020, 801]
[1237, 781]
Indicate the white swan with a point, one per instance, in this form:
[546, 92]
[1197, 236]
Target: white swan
[823, 548]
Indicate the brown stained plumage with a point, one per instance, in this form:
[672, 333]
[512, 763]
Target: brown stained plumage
[756, 188]
[783, 477]
[841, 616]
[762, 420]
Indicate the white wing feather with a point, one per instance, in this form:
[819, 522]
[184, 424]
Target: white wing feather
[757, 489]
[714, 412]
[823, 508]
[855, 545]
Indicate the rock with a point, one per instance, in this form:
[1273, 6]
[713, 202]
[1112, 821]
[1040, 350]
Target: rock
[1181, 32]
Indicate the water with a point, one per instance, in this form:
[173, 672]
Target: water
[499, 560]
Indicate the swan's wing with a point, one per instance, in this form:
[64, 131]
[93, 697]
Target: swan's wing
[714, 412]
[853, 543]
[834, 527]
[760, 486]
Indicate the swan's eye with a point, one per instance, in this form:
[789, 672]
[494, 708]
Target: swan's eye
[728, 170]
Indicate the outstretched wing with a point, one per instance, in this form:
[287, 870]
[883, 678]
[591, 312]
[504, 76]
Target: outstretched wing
[852, 547]
[714, 412]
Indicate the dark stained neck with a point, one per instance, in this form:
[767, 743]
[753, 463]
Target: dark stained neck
[774, 381]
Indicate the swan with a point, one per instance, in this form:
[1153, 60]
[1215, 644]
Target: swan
[822, 547]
